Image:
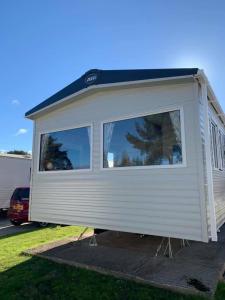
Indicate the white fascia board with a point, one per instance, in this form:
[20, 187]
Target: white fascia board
[214, 101]
[105, 86]
[209, 185]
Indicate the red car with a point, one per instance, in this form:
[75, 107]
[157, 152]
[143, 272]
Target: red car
[19, 206]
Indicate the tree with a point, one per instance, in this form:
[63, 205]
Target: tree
[155, 138]
[53, 158]
[137, 161]
[18, 152]
[125, 160]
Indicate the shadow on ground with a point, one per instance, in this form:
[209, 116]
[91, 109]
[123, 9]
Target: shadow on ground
[38, 278]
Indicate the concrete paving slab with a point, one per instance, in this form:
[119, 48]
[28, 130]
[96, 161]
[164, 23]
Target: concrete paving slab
[194, 269]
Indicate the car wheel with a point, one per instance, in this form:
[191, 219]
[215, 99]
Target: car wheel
[42, 224]
[15, 223]
[3, 213]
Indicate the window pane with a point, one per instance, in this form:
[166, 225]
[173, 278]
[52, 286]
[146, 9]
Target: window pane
[223, 145]
[221, 150]
[149, 140]
[65, 150]
[21, 194]
[214, 145]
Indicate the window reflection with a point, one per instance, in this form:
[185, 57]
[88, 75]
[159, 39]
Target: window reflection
[148, 140]
[65, 150]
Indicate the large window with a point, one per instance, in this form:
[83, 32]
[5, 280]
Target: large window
[143, 141]
[65, 150]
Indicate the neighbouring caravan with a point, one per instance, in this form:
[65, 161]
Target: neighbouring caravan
[138, 151]
[15, 171]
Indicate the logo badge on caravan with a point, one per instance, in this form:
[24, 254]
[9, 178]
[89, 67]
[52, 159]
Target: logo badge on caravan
[91, 78]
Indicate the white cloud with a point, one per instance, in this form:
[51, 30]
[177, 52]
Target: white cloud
[21, 131]
[15, 102]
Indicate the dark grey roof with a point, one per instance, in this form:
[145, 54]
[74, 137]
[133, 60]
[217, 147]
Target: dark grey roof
[96, 77]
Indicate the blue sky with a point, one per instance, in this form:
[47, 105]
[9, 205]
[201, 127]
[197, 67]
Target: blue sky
[46, 44]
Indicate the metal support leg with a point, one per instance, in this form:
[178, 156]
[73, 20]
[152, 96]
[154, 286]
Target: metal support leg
[159, 247]
[82, 233]
[93, 241]
[168, 248]
[185, 243]
[170, 252]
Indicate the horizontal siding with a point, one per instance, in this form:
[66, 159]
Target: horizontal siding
[109, 200]
[162, 202]
[219, 196]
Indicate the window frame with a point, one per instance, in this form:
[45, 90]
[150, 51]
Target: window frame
[223, 150]
[83, 125]
[220, 149]
[213, 149]
[219, 131]
[146, 113]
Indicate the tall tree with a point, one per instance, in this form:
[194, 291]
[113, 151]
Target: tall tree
[54, 158]
[155, 138]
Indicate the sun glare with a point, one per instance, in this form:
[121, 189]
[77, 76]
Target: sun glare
[193, 62]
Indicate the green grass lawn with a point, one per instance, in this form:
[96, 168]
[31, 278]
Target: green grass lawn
[24, 277]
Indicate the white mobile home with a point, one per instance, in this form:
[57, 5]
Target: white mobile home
[131, 150]
[15, 171]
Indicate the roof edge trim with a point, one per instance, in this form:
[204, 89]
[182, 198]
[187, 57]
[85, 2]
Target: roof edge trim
[104, 86]
[201, 75]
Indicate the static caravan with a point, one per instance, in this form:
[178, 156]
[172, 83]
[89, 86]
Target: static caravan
[137, 151]
[15, 171]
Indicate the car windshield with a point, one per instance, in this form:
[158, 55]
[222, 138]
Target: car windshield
[21, 194]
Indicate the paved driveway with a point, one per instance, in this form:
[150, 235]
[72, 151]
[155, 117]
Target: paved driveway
[7, 228]
[195, 268]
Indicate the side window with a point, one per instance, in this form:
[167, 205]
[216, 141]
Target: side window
[213, 129]
[217, 147]
[220, 150]
[223, 150]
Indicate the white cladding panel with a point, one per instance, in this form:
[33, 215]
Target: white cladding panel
[14, 172]
[219, 196]
[164, 201]
[219, 180]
